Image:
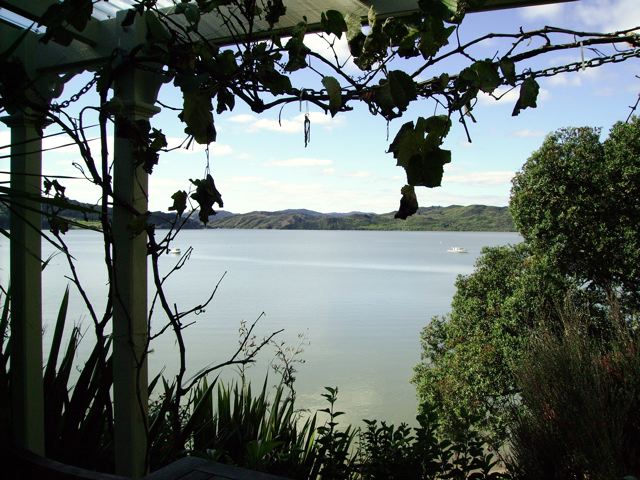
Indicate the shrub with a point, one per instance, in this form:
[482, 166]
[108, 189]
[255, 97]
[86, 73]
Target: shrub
[581, 393]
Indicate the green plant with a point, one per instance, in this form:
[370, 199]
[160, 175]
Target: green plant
[334, 444]
[466, 368]
[575, 202]
[78, 419]
[387, 452]
[581, 393]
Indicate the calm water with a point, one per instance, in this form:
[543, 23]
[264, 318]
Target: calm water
[359, 299]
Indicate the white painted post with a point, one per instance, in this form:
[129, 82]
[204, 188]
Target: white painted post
[137, 89]
[27, 415]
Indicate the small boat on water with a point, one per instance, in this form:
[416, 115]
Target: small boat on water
[457, 250]
[174, 251]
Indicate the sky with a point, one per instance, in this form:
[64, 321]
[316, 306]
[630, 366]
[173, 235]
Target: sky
[260, 163]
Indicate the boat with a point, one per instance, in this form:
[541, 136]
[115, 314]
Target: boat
[457, 250]
[174, 251]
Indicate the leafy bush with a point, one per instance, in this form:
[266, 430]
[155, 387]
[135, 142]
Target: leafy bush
[78, 420]
[465, 372]
[387, 452]
[581, 393]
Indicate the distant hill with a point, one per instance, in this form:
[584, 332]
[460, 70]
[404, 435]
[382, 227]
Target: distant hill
[453, 218]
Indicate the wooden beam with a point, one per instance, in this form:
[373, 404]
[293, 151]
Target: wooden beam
[388, 8]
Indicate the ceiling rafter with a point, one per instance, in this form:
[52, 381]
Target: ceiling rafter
[100, 37]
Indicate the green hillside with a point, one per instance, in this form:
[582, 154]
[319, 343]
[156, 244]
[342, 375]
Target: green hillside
[452, 218]
[480, 218]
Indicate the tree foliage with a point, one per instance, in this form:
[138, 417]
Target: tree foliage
[576, 201]
[467, 357]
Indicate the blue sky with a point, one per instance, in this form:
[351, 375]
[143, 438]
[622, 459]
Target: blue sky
[261, 165]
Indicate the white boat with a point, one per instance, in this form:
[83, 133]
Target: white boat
[175, 251]
[457, 250]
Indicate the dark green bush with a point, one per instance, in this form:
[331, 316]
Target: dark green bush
[581, 393]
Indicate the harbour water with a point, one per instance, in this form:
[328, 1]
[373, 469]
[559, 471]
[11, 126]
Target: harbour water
[355, 301]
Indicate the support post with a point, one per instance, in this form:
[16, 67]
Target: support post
[27, 403]
[137, 89]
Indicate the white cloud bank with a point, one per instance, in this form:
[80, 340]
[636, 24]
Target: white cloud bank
[292, 125]
[299, 162]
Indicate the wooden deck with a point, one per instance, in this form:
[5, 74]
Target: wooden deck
[26, 465]
[191, 468]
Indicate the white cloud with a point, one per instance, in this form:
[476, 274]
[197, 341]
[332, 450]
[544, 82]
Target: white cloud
[358, 174]
[565, 80]
[609, 15]
[65, 144]
[329, 171]
[5, 138]
[605, 92]
[498, 177]
[465, 143]
[318, 43]
[439, 197]
[243, 156]
[320, 118]
[290, 125]
[527, 133]
[574, 79]
[246, 179]
[284, 126]
[543, 12]
[242, 118]
[299, 162]
[215, 149]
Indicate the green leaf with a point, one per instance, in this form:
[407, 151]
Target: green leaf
[274, 10]
[75, 13]
[417, 150]
[206, 195]
[81, 13]
[384, 100]
[528, 95]
[179, 202]
[404, 144]
[158, 140]
[156, 31]
[196, 113]
[355, 37]
[192, 13]
[408, 203]
[403, 89]
[372, 17]
[129, 17]
[508, 69]
[54, 350]
[333, 22]
[487, 75]
[354, 26]
[226, 100]
[334, 91]
[297, 54]
[441, 9]
[437, 127]
[427, 170]
[434, 36]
